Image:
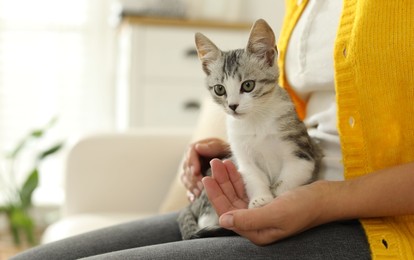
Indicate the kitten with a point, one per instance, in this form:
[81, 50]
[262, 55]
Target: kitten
[269, 143]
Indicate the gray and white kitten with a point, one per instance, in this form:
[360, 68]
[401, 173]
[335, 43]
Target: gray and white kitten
[269, 143]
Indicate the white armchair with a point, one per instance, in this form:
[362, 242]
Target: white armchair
[118, 177]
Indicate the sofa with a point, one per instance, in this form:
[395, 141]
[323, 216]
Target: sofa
[117, 177]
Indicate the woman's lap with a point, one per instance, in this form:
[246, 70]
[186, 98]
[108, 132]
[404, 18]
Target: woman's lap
[159, 238]
[158, 229]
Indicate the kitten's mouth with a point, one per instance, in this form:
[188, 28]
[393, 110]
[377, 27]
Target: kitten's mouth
[236, 114]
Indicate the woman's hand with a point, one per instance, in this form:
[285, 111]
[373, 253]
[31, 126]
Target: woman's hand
[197, 160]
[288, 214]
[387, 192]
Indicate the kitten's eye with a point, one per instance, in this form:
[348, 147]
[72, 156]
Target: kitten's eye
[220, 90]
[248, 86]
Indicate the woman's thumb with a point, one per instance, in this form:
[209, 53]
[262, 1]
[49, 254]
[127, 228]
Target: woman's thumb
[246, 219]
[211, 149]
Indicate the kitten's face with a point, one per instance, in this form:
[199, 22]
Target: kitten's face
[240, 82]
[243, 80]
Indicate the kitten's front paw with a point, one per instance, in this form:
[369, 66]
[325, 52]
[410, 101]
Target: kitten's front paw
[258, 202]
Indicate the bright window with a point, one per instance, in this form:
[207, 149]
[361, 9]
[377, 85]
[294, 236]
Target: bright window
[56, 59]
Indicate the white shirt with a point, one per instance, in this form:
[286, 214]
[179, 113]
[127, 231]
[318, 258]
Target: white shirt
[310, 71]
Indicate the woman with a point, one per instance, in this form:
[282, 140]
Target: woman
[358, 105]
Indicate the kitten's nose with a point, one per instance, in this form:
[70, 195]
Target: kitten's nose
[233, 107]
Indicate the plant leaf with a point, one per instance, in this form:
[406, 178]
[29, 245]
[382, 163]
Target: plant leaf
[52, 122]
[34, 134]
[55, 148]
[17, 149]
[21, 221]
[38, 133]
[29, 186]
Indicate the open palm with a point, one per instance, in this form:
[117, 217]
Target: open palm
[290, 213]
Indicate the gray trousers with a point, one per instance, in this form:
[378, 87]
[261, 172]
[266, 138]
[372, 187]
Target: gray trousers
[159, 238]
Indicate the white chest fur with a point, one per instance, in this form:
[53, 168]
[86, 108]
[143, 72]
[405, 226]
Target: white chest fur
[256, 144]
[266, 162]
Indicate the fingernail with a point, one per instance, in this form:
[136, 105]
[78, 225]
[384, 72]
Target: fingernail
[212, 160]
[192, 170]
[196, 192]
[191, 197]
[200, 185]
[227, 221]
[202, 146]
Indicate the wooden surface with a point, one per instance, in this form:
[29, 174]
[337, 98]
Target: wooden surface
[8, 249]
[184, 23]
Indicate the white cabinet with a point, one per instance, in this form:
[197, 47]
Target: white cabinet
[160, 82]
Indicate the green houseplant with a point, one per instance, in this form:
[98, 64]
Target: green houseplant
[18, 195]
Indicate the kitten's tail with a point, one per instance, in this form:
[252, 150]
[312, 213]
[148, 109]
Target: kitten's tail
[187, 223]
[189, 228]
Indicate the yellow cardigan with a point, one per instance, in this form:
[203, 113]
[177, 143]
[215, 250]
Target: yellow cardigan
[374, 82]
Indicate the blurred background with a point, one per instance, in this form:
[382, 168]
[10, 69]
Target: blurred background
[104, 66]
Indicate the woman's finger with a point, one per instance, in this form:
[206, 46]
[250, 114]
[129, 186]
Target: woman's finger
[193, 161]
[249, 219]
[237, 180]
[212, 148]
[216, 196]
[221, 175]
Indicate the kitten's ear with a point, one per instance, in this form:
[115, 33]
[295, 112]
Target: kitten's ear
[262, 42]
[207, 51]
